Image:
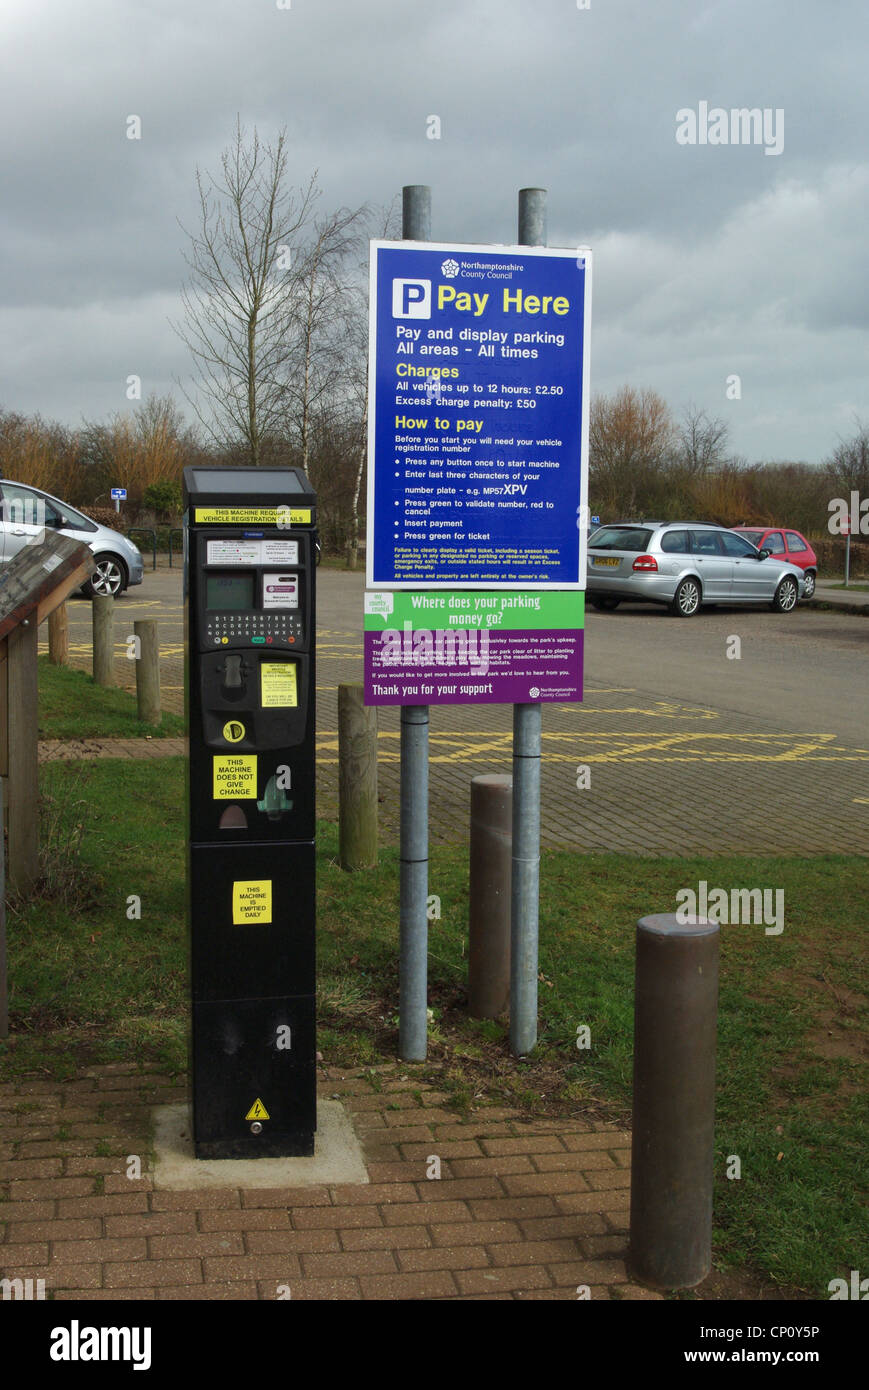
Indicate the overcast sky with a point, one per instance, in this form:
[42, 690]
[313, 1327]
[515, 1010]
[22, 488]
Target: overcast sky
[712, 260]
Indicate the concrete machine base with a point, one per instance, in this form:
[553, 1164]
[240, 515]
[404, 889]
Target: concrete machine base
[337, 1156]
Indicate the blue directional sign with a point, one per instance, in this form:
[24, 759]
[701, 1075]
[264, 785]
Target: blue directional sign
[118, 492]
[478, 416]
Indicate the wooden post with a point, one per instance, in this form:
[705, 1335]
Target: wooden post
[22, 706]
[58, 637]
[357, 780]
[104, 639]
[147, 670]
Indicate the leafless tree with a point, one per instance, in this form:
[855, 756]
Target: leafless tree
[242, 299]
[702, 442]
[630, 441]
[847, 468]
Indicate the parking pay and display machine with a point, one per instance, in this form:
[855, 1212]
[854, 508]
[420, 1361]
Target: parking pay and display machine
[250, 619]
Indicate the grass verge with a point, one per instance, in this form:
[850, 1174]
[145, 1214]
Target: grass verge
[73, 706]
[89, 983]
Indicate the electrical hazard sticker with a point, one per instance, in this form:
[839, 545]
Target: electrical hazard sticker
[257, 1111]
[252, 902]
[279, 686]
[235, 777]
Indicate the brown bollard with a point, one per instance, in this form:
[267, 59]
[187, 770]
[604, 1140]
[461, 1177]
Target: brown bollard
[103, 616]
[58, 636]
[357, 779]
[490, 895]
[675, 1024]
[147, 671]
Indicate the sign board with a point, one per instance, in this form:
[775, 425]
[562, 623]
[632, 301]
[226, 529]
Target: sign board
[440, 648]
[478, 416]
[118, 492]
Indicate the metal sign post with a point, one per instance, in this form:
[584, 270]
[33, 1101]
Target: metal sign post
[478, 441]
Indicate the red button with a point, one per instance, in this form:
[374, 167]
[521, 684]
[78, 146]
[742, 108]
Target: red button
[268, 639]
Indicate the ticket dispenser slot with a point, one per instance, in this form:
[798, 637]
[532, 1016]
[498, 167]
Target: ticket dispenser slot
[249, 588]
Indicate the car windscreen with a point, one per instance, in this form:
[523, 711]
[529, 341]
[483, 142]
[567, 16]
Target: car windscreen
[632, 538]
[753, 536]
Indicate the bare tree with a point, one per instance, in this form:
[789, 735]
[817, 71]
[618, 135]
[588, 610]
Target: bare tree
[847, 468]
[241, 302]
[325, 306]
[631, 438]
[702, 441]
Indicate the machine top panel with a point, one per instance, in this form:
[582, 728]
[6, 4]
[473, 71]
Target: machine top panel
[204, 485]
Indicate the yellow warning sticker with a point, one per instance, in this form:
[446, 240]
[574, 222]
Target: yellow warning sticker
[234, 731]
[252, 901]
[279, 686]
[260, 516]
[234, 777]
[257, 1111]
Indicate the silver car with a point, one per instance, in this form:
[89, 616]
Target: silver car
[26, 511]
[685, 564]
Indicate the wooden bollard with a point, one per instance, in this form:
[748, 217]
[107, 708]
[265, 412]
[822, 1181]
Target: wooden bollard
[357, 780]
[58, 636]
[104, 638]
[147, 670]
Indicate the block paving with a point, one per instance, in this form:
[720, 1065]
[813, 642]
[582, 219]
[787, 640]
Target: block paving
[521, 1210]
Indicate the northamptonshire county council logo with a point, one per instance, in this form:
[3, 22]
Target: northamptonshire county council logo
[534, 692]
[450, 269]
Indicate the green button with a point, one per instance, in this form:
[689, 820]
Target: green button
[257, 639]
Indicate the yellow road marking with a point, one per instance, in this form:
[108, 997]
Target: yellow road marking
[622, 746]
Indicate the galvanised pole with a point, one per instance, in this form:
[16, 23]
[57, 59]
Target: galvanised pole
[525, 887]
[413, 892]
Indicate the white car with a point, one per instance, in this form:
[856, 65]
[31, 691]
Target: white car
[26, 511]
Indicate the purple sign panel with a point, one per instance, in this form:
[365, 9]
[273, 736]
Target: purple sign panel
[472, 648]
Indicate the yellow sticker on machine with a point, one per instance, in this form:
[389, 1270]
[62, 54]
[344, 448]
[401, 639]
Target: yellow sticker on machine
[258, 516]
[234, 777]
[280, 688]
[251, 901]
[257, 1111]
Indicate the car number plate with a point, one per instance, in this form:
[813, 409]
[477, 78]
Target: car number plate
[599, 561]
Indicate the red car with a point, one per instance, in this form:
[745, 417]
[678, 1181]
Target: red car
[785, 545]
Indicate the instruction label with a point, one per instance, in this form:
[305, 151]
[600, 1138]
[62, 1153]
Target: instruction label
[257, 1111]
[279, 686]
[260, 516]
[253, 552]
[252, 901]
[234, 777]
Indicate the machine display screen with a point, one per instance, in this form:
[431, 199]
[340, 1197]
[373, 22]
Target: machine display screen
[229, 592]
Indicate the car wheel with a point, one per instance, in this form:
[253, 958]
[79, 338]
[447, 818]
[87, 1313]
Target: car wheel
[109, 577]
[605, 602]
[810, 584]
[686, 600]
[785, 596]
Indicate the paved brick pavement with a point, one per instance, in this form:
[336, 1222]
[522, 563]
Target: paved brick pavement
[520, 1211]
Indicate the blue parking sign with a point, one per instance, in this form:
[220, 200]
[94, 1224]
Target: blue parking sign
[478, 416]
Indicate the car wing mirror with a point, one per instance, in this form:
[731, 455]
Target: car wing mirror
[762, 554]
